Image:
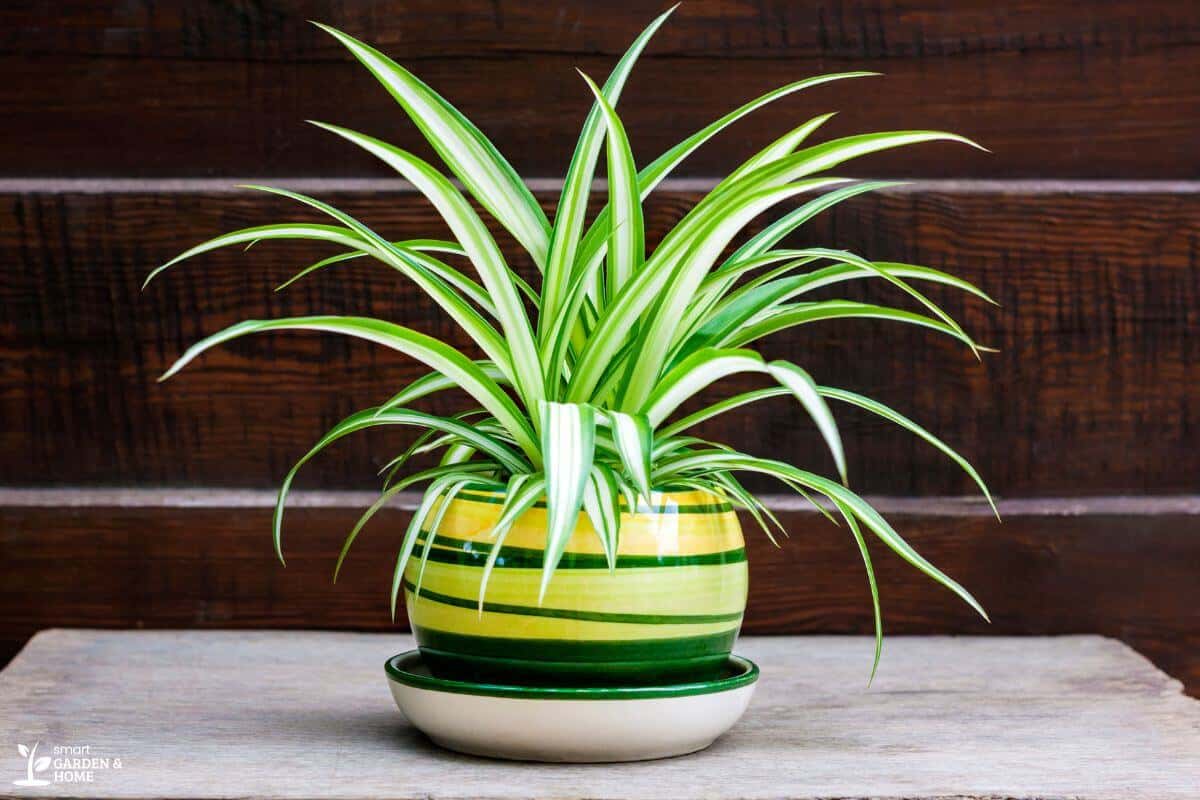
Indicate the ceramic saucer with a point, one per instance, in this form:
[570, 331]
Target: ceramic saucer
[569, 724]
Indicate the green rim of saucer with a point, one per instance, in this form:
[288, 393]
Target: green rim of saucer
[410, 670]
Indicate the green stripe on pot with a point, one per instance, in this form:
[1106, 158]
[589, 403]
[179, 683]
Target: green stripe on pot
[643, 508]
[531, 558]
[579, 651]
[567, 613]
[409, 669]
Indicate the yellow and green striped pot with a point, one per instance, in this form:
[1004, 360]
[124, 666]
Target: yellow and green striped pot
[671, 608]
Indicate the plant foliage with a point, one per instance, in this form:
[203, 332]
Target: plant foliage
[580, 375]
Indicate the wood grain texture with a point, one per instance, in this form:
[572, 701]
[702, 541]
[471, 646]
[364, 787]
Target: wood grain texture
[1092, 392]
[1121, 567]
[1084, 90]
[306, 715]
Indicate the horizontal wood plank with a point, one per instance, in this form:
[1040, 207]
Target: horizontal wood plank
[1092, 390]
[1124, 568]
[1081, 90]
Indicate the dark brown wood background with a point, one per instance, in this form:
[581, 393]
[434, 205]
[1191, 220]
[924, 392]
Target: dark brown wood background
[127, 124]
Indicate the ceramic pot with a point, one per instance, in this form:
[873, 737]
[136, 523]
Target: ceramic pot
[670, 610]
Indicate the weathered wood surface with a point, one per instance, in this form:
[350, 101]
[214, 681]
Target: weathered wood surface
[1063, 89]
[1121, 567]
[1092, 392]
[307, 715]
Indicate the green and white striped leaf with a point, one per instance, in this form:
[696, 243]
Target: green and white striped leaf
[771, 235]
[388, 494]
[790, 316]
[779, 148]
[661, 167]
[424, 348]
[647, 286]
[522, 492]
[710, 365]
[852, 524]
[367, 419]
[481, 248]
[451, 491]
[839, 494]
[800, 384]
[568, 446]
[297, 230]
[433, 496]
[634, 440]
[434, 382]
[464, 149]
[467, 287]
[572, 202]
[602, 501]
[896, 417]
[750, 503]
[660, 329]
[627, 240]
[461, 312]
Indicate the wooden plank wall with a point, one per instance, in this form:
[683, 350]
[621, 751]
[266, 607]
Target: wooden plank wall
[127, 126]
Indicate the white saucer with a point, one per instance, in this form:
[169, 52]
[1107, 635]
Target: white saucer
[568, 724]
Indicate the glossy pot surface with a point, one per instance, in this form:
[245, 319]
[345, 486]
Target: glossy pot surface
[670, 610]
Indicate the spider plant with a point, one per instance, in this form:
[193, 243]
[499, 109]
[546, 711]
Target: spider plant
[577, 379]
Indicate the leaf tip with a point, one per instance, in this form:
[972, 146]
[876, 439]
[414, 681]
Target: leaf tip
[325, 126]
[973, 143]
[170, 371]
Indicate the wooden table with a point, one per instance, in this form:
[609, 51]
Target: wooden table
[307, 715]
